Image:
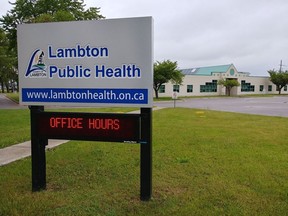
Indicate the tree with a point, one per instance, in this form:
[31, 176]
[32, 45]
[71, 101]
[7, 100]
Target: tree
[32, 11]
[229, 84]
[36, 11]
[164, 72]
[279, 78]
[8, 73]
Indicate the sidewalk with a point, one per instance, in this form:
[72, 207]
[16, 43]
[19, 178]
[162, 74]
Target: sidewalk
[22, 150]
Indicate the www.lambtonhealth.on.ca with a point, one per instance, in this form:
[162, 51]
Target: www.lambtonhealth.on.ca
[132, 96]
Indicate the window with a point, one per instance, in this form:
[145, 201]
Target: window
[269, 87]
[261, 88]
[162, 89]
[285, 88]
[176, 88]
[247, 87]
[189, 88]
[209, 86]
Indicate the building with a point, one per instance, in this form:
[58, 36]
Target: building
[203, 81]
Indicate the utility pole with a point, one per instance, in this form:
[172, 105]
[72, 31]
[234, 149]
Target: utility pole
[280, 66]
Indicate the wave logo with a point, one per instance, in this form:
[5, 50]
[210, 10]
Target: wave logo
[36, 67]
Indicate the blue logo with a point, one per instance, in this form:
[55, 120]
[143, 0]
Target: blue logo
[36, 67]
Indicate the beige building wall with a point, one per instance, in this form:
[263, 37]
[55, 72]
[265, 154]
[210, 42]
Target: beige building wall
[202, 85]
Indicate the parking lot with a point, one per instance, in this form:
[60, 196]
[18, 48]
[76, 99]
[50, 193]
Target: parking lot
[272, 106]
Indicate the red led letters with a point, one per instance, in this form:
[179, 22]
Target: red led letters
[90, 126]
[59, 122]
[104, 124]
[92, 123]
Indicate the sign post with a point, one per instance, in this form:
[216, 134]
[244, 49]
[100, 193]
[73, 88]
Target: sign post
[88, 63]
[127, 128]
[146, 154]
[38, 156]
[174, 97]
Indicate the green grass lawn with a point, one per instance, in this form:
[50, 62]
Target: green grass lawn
[204, 163]
[14, 126]
[13, 96]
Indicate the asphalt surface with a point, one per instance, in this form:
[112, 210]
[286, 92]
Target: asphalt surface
[271, 106]
[6, 103]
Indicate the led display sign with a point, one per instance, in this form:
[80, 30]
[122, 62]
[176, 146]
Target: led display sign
[90, 126]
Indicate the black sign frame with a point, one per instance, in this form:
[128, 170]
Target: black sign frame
[106, 127]
[40, 140]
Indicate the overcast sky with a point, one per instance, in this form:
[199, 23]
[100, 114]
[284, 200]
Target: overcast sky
[251, 34]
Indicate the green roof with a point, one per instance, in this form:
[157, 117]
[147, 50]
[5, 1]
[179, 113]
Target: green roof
[206, 70]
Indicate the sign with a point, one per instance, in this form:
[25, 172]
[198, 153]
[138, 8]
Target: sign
[129, 128]
[86, 63]
[174, 96]
[89, 126]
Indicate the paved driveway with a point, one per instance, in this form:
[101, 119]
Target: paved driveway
[6, 103]
[272, 106]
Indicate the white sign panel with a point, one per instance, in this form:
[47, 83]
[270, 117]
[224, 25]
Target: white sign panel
[87, 63]
[174, 96]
